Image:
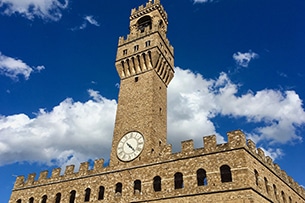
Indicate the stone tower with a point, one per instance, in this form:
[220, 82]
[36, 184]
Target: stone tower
[142, 166]
[145, 64]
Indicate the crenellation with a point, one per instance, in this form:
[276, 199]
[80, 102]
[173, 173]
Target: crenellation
[98, 165]
[236, 139]
[31, 179]
[284, 176]
[209, 143]
[129, 38]
[19, 182]
[69, 170]
[55, 173]
[290, 180]
[277, 168]
[149, 7]
[43, 176]
[251, 146]
[261, 154]
[141, 8]
[187, 147]
[83, 169]
[133, 11]
[269, 160]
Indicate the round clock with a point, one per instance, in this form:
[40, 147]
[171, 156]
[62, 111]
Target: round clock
[130, 146]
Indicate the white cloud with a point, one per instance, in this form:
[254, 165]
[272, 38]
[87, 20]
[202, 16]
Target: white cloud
[194, 101]
[12, 67]
[273, 153]
[202, 1]
[86, 20]
[190, 108]
[91, 20]
[45, 9]
[74, 132]
[243, 59]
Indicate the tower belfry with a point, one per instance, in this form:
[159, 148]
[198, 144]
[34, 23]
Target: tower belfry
[145, 64]
[146, 46]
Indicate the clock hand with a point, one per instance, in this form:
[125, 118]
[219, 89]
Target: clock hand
[130, 146]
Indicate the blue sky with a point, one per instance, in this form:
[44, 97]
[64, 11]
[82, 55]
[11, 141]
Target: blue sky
[239, 65]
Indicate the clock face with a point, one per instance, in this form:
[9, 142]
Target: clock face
[130, 146]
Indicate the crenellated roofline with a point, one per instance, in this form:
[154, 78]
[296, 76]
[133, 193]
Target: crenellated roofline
[236, 141]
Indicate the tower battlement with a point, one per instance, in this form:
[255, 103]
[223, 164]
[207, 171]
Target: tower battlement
[149, 7]
[236, 141]
[147, 32]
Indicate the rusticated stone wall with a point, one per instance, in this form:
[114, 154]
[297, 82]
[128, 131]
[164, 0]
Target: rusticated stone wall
[249, 168]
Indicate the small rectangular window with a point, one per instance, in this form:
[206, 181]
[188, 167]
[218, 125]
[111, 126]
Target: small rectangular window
[136, 48]
[147, 43]
[125, 52]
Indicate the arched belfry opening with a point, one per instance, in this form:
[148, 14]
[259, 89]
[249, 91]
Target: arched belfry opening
[144, 22]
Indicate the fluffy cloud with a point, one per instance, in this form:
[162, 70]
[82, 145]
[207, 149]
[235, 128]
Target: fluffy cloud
[71, 132]
[45, 9]
[243, 59]
[195, 101]
[12, 67]
[74, 132]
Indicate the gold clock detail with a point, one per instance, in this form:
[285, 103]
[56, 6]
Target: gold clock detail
[130, 146]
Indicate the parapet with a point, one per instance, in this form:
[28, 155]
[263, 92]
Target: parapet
[236, 140]
[150, 6]
[147, 32]
[56, 176]
[275, 168]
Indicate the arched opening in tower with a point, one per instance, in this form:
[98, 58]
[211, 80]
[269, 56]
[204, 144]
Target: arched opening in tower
[144, 22]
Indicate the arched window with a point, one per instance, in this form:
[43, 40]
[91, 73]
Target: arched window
[31, 200]
[101, 193]
[284, 197]
[137, 187]
[256, 177]
[18, 201]
[157, 184]
[118, 188]
[58, 198]
[87, 194]
[290, 200]
[225, 173]
[266, 184]
[201, 177]
[275, 191]
[72, 196]
[178, 180]
[44, 199]
[144, 22]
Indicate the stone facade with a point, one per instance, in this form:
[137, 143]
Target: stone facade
[232, 172]
[254, 178]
